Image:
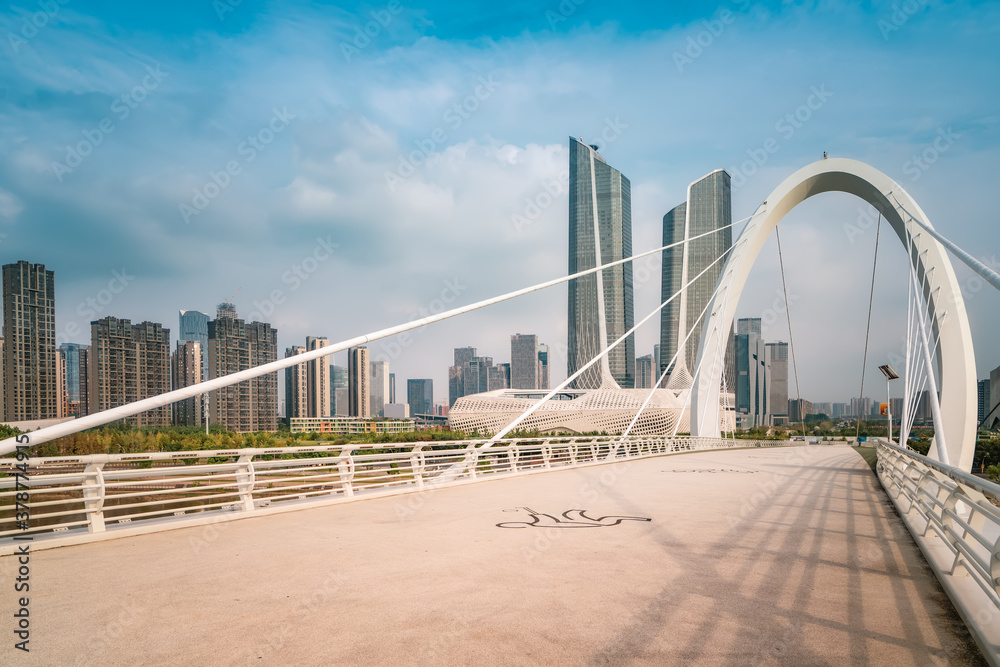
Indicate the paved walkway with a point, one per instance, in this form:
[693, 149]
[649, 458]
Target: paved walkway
[779, 556]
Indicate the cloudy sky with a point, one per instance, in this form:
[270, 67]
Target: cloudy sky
[347, 168]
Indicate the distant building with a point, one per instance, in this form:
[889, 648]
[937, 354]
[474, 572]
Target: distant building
[233, 346]
[392, 387]
[498, 377]
[318, 379]
[194, 326]
[187, 371]
[600, 304]
[30, 384]
[74, 361]
[823, 409]
[130, 363]
[420, 397]
[296, 386]
[397, 411]
[799, 409]
[983, 387]
[338, 380]
[708, 208]
[357, 382]
[839, 410]
[746, 325]
[752, 379]
[456, 380]
[379, 387]
[524, 362]
[349, 425]
[644, 372]
[777, 358]
[343, 401]
[543, 366]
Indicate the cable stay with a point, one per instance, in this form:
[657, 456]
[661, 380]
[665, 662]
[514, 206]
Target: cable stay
[868, 329]
[791, 339]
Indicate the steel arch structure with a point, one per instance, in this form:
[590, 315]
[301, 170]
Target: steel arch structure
[942, 296]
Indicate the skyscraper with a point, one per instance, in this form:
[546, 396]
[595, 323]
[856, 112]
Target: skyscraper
[235, 345]
[708, 208]
[75, 358]
[187, 369]
[420, 397]
[777, 357]
[456, 380]
[543, 366]
[392, 388]
[296, 386]
[644, 378]
[130, 363]
[31, 389]
[984, 406]
[379, 387]
[746, 325]
[524, 365]
[600, 304]
[340, 405]
[752, 379]
[193, 325]
[318, 379]
[357, 382]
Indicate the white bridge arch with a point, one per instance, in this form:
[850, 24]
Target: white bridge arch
[955, 361]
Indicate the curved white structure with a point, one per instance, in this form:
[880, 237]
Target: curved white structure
[941, 293]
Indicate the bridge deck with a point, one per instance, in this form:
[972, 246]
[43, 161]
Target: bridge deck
[781, 556]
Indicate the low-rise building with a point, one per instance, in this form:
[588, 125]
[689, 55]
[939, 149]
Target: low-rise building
[349, 425]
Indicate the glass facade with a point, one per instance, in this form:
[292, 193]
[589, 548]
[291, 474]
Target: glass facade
[614, 240]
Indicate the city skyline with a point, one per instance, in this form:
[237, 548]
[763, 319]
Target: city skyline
[326, 223]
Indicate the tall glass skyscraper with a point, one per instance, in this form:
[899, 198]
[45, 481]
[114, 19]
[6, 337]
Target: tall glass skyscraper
[194, 327]
[708, 207]
[600, 305]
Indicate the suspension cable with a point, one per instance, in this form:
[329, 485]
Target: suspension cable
[868, 328]
[791, 339]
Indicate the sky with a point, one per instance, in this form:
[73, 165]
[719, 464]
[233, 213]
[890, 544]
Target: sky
[340, 169]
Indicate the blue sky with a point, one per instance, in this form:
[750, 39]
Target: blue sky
[344, 182]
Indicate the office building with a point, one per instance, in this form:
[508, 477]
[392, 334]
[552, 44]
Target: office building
[296, 386]
[392, 388]
[30, 383]
[777, 358]
[235, 345]
[420, 397]
[543, 366]
[318, 379]
[708, 208]
[644, 372]
[524, 362]
[379, 387]
[984, 405]
[992, 419]
[193, 326]
[339, 406]
[129, 363]
[600, 304]
[74, 360]
[746, 325]
[456, 379]
[357, 383]
[187, 367]
[752, 379]
[799, 409]
[498, 377]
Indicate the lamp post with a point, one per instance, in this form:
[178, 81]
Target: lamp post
[889, 376]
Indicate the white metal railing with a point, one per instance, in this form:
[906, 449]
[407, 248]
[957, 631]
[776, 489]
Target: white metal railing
[954, 518]
[66, 496]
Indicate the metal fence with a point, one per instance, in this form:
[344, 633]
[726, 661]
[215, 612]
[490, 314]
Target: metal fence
[74, 498]
[954, 518]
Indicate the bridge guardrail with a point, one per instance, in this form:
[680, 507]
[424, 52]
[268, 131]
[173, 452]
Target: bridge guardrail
[954, 518]
[70, 499]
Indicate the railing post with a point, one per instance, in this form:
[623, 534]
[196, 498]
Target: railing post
[93, 496]
[547, 455]
[417, 463]
[472, 456]
[345, 464]
[512, 456]
[246, 478]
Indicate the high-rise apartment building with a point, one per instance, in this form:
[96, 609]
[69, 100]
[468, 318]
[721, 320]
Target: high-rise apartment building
[235, 345]
[74, 356]
[600, 304]
[524, 362]
[799, 409]
[129, 362]
[379, 387]
[392, 388]
[708, 208]
[318, 379]
[188, 368]
[339, 405]
[420, 397]
[30, 383]
[296, 386]
[777, 359]
[357, 382]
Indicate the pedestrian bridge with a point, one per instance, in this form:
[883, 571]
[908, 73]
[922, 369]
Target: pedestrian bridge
[783, 555]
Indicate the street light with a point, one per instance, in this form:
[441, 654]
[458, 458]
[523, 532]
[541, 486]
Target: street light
[889, 376]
